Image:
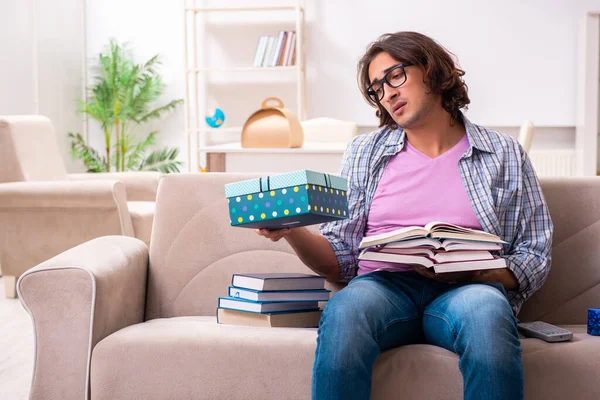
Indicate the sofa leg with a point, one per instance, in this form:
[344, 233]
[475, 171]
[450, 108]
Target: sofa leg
[10, 286]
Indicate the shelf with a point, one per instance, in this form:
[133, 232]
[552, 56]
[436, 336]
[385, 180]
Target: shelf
[244, 8]
[233, 69]
[307, 148]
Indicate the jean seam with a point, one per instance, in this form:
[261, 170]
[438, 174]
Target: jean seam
[394, 321]
[445, 319]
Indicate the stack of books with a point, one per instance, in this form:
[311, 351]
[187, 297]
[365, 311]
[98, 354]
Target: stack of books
[438, 245]
[276, 51]
[274, 300]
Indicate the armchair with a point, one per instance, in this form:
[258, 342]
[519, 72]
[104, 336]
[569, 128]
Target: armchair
[45, 211]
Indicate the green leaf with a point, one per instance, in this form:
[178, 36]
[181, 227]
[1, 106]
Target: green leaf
[137, 151]
[93, 161]
[163, 160]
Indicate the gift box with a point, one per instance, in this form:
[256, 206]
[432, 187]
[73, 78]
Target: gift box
[287, 200]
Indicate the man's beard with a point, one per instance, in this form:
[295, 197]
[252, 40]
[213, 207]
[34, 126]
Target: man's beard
[418, 116]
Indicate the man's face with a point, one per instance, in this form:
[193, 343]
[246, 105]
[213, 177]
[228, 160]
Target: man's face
[409, 104]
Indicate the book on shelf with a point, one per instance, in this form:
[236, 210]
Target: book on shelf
[296, 319]
[275, 50]
[236, 303]
[282, 295]
[453, 266]
[435, 230]
[278, 281]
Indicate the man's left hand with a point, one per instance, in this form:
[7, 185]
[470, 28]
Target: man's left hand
[501, 275]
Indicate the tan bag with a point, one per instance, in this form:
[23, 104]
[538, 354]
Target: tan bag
[272, 127]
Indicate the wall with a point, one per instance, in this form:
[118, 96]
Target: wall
[42, 63]
[520, 57]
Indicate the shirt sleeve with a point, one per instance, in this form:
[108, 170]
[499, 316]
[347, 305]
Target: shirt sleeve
[345, 235]
[530, 255]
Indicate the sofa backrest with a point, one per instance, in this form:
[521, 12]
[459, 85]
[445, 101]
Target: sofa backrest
[573, 284]
[28, 150]
[194, 251]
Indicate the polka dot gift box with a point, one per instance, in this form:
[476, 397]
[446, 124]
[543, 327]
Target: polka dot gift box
[287, 200]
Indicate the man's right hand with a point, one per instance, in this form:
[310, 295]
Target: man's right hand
[274, 235]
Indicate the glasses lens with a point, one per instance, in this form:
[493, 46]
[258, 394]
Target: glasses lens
[396, 77]
[375, 91]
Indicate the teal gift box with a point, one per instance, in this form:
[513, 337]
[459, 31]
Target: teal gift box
[287, 200]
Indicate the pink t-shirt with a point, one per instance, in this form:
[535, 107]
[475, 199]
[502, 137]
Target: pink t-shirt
[415, 190]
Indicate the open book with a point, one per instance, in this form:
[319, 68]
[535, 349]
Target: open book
[438, 267]
[435, 230]
[441, 256]
[443, 244]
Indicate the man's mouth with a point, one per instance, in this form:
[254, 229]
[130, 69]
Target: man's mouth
[397, 108]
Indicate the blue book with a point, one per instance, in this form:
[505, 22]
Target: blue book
[281, 295]
[278, 281]
[233, 303]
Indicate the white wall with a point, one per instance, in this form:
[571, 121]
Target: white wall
[520, 57]
[56, 39]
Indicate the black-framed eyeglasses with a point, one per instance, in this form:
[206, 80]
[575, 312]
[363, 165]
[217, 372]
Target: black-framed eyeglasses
[395, 77]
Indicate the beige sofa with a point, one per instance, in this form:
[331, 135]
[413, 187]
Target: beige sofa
[44, 210]
[114, 321]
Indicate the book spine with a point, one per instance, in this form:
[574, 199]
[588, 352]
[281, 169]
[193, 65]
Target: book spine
[278, 46]
[260, 51]
[290, 56]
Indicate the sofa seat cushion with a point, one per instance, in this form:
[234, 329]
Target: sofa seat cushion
[142, 215]
[552, 370]
[194, 357]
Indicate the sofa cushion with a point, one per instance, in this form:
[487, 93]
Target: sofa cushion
[193, 357]
[142, 215]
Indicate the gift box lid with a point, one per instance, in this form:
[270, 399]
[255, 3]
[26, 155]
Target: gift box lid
[281, 181]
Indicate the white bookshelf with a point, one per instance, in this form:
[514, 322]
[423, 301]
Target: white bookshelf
[196, 130]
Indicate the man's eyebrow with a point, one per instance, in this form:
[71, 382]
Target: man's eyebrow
[385, 71]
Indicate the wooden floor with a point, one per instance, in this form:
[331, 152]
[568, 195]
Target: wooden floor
[16, 349]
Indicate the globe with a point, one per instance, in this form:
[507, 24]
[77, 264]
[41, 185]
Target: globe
[215, 117]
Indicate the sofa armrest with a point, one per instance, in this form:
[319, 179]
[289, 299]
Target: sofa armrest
[140, 186]
[39, 220]
[77, 299]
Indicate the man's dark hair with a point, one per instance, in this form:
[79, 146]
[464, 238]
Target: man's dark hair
[440, 72]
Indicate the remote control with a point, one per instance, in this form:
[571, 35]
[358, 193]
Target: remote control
[545, 331]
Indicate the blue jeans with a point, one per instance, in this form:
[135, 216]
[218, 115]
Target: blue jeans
[382, 310]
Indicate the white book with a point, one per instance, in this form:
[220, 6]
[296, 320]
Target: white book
[282, 295]
[445, 244]
[411, 259]
[268, 51]
[278, 49]
[444, 256]
[435, 230]
[260, 49]
[278, 281]
[262, 307]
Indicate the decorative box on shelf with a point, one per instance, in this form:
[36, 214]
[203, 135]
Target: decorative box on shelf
[288, 200]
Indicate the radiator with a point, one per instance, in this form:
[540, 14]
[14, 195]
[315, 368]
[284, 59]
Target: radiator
[553, 162]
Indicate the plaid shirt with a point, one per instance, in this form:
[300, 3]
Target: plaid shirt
[502, 188]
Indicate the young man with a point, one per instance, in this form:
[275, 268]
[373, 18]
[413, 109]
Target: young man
[428, 162]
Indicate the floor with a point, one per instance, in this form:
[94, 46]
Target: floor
[16, 349]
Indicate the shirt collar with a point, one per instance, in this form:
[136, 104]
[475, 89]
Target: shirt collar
[477, 136]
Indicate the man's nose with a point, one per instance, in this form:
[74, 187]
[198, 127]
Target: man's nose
[390, 93]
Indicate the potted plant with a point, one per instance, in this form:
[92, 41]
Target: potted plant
[121, 100]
